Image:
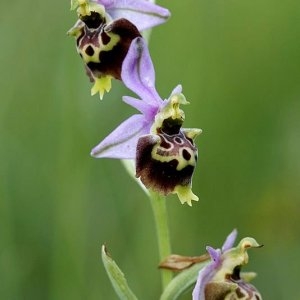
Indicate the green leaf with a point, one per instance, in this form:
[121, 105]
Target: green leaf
[182, 282]
[116, 277]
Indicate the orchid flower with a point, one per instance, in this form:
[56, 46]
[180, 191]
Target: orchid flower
[104, 32]
[164, 153]
[221, 278]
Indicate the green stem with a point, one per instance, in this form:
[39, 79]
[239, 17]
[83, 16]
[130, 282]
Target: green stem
[159, 208]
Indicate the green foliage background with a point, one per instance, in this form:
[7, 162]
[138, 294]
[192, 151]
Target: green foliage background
[238, 62]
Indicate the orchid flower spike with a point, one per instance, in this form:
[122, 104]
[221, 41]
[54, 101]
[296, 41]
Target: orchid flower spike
[164, 152]
[221, 278]
[104, 31]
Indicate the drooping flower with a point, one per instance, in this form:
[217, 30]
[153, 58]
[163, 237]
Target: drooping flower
[221, 278]
[104, 32]
[164, 152]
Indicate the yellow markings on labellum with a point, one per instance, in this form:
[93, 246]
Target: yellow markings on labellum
[101, 85]
[114, 40]
[176, 149]
[94, 54]
[90, 49]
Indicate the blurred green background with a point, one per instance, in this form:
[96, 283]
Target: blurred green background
[239, 64]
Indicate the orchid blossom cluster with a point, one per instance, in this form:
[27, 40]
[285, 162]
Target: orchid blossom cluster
[109, 39]
[111, 46]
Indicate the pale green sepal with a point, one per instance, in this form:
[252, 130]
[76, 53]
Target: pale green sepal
[182, 282]
[116, 277]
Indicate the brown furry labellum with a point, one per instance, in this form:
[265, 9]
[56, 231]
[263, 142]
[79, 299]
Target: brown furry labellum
[164, 162]
[103, 47]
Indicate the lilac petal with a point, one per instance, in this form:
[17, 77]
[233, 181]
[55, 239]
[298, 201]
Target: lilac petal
[198, 292]
[143, 14]
[206, 274]
[229, 242]
[147, 110]
[215, 254]
[121, 143]
[138, 72]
